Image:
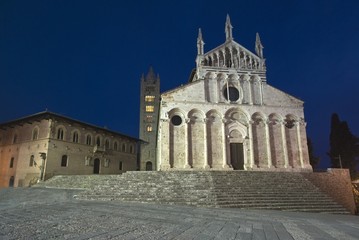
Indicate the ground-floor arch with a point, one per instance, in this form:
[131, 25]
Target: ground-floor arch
[149, 166]
[96, 166]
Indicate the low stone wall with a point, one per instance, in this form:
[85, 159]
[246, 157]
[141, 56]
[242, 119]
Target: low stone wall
[337, 184]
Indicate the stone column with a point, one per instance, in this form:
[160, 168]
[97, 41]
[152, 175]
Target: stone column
[297, 126]
[186, 165]
[205, 155]
[284, 141]
[224, 145]
[251, 156]
[269, 154]
[163, 156]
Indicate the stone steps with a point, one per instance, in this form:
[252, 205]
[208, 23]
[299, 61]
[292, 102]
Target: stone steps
[239, 189]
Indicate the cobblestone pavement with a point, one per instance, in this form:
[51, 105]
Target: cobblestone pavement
[35, 213]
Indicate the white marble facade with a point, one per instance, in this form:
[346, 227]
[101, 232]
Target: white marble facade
[228, 117]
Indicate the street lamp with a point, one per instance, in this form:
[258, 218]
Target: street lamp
[340, 160]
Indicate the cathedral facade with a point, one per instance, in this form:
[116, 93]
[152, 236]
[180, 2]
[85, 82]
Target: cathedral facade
[229, 118]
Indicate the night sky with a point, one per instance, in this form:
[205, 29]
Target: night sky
[84, 59]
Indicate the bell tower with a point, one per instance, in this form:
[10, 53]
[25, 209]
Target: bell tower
[149, 111]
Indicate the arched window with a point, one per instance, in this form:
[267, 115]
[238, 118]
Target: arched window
[123, 147]
[12, 162]
[149, 128]
[131, 149]
[120, 166]
[107, 144]
[64, 161]
[75, 137]
[60, 134]
[11, 181]
[35, 134]
[148, 166]
[115, 146]
[32, 160]
[88, 140]
[98, 141]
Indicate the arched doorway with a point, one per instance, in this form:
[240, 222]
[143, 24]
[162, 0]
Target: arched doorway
[148, 166]
[96, 166]
[237, 157]
[11, 181]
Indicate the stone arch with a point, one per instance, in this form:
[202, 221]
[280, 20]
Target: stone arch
[107, 143]
[177, 138]
[276, 140]
[256, 89]
[291, 124]
[260, 154]
[215, 139]
[210, 61]
[75, 136]
[235, 57]
[237, 139]
[89, 139]
[247, 91]
[236, 114]
[60, 132]
[98, 140]
[196, 139]
[232, 93]
[221, 59]
[35, 133]
[228, 57]
[215, 60]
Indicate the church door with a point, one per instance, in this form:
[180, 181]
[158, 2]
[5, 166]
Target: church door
[96, 166]
[148, 166]
[237, 158]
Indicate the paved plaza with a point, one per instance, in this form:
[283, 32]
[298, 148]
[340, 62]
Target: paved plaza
[39, 213]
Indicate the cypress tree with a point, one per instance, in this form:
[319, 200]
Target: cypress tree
[344, 146]
[313, 160]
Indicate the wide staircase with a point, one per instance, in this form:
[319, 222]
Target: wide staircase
[227, 189]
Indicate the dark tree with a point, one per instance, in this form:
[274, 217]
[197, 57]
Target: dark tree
[314, 160]
[344, 146]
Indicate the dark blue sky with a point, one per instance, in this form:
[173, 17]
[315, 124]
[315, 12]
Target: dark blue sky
[84, 59]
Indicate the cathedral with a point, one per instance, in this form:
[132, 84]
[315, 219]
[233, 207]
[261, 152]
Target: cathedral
[227, 117]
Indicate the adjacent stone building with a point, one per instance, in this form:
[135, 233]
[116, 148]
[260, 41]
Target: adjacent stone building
[229, 117]
[47, 144]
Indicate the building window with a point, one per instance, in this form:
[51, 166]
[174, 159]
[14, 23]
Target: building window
[131, 149]
[149, 98]
[12, 162]
[32, 160]
[14, 140]
[231, 94]
[150, 108]
[75, 137]
[60, 134]
[123, 147]
[106, 162]
[176, 120]
[88, 140]
[35, 134]
[107, 144]
[98, 141]
[64, 161]
[149, 118]
[149, 128]
[115, 146]
[120, 166]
